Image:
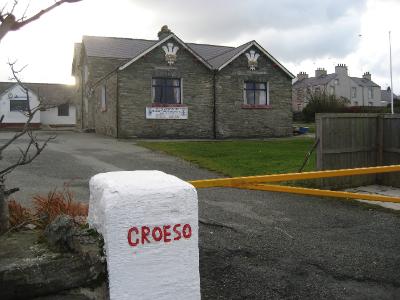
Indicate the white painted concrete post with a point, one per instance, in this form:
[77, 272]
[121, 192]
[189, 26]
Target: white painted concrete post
[149, 221]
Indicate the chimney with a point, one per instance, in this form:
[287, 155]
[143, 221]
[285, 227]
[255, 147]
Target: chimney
[319, 72]
[302, 75]
[367, 75]
[164, 32]
[341, 69]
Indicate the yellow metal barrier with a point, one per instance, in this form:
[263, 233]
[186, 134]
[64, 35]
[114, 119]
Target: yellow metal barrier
[253, 182]
[317, 192]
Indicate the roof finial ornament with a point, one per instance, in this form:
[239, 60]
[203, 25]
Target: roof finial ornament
[252, 58]
[170, 53]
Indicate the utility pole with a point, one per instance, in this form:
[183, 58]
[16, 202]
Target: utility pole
[391, 73]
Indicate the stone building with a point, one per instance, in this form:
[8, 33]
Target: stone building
[167, 88]
[359, 91]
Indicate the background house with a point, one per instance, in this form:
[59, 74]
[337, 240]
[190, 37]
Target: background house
[359, 91]
[57, 100]
[386, 97]
[169, 88]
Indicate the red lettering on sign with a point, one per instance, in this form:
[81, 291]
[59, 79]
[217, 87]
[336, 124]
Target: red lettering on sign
[187, 231]
[177, 232]
[133, 244]
[165, 233]
[154, 235]
[145, 233]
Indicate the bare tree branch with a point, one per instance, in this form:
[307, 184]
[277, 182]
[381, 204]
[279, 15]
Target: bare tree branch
[25, 158]
[23, 17]
[10, 23]
[29, 114]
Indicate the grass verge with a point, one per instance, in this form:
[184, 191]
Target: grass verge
[241, 158]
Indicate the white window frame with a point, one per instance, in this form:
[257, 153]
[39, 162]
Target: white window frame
[153, 90]
[86, 73]
[353, 92]
[103, 98]
[60, 107]
[370, 92]
[267, 100]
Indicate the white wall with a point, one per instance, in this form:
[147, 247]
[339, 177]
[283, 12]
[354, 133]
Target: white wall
[128, 209]
[16, 92]
[51, 117]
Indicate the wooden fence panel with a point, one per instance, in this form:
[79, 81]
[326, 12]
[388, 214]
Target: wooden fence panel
[391, 148]
[358, 140]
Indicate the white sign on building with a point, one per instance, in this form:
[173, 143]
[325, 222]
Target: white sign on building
[149, 221]
[172, 113]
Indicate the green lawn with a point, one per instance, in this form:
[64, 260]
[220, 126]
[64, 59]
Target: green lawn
[242, 158]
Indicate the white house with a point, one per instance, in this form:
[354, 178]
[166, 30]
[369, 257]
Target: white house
[359, 91]
[57, 100]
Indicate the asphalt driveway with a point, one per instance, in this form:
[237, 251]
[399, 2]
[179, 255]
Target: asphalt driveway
[253, 244]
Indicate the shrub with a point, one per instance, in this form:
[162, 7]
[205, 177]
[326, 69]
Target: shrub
[396, 105]
[322, 102]
[46, 209]
[18, 214]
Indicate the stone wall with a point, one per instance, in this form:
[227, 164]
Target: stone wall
[135, 93]
[130, 90]
[98, 67]
[234, 119]
[106, 118]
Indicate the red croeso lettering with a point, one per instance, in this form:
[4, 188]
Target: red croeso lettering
[166, 234]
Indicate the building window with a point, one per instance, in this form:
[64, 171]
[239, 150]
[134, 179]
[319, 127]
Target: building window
[166, 90]
[103, 98]
[19, 105]
[256, 93]
[370, 103]
[355, 103]
[63, 110]
[370, 93]
[332, 90]
[353, 92]
[86, 73]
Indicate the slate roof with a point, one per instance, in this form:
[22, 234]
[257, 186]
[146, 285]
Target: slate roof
[52, 94]
[115, 47]
[312, 81]
[209, 51]
[126, 48]
[219, 60]
[386, 96]
[325, 79]
[364, 82]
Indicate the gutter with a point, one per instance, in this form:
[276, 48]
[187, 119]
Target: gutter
[117, 107]
[82, 93]
[214, 105]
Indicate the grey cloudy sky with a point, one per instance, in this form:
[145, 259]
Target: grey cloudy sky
[304, 34]
[290, 28]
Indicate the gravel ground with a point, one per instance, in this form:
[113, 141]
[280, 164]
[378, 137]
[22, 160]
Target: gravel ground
[253, 244]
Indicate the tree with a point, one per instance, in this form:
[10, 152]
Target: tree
[322, 102]
[9, 22]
